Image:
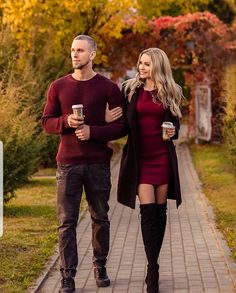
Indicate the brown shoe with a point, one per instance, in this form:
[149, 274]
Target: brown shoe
[100, 275]
[67, 285]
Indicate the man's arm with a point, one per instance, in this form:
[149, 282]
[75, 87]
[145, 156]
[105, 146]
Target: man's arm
[115, 129]
[53, 121]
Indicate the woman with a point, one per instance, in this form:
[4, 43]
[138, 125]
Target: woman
[149, 163]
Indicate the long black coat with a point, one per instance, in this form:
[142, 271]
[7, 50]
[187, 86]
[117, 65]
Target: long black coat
[129, 168]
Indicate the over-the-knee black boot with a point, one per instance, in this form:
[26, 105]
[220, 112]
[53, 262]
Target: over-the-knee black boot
[161, 210]
[149, 233]
[153, 223]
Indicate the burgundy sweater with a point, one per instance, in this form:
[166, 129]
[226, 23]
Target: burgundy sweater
[93, 94]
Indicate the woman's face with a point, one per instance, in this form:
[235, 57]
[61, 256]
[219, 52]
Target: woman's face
[145, 67]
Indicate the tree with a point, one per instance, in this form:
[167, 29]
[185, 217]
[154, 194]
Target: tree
[198, 43]
[43, 32]
[153, 9]
[47, 27]
[224, 9]
[18, 130]
[230, 121]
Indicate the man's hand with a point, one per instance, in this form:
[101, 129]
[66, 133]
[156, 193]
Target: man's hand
[112, 115]
[75, 121]
[83, 132]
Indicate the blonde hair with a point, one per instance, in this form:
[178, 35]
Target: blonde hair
[168, 92]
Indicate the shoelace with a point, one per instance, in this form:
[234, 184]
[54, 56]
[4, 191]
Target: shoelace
[67, 282]
[102, 272]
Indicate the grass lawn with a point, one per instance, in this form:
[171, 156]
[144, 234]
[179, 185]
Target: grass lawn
[219, 185]
[30, 233]
[46, 172]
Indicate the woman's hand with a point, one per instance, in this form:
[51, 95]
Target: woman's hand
[112, 115]
[170, 132]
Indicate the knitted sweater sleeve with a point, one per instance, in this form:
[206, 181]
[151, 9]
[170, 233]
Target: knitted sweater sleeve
[115, 129]
[53, 121]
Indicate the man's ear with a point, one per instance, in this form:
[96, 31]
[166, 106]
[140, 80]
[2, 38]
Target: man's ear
[92, 55]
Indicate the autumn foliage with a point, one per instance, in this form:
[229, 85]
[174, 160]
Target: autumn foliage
[35, 45]
[197, 43]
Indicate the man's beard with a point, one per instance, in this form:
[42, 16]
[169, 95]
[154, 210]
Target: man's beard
[80, 66]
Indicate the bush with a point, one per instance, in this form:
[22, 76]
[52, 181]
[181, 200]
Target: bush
[230, 120]
[21, 147]
[49, 150]
[19, 129]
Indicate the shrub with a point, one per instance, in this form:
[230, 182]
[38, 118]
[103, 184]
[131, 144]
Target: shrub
[18, 133]
[19, 129]
[230, 118]
[49, 151]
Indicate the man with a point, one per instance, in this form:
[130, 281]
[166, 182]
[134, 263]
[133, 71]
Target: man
[83, 158]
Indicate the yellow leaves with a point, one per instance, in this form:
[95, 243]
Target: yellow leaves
[230, 90]
[76, 5]
[114, 16]
[40, 25]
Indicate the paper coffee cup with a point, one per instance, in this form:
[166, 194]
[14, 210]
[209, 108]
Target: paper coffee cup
[165, 126]
[78, 110]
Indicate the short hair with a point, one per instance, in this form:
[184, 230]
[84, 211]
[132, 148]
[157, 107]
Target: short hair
[89, 39]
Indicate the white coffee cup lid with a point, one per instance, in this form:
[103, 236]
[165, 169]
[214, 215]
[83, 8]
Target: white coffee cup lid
[77, 106]
[167, 124]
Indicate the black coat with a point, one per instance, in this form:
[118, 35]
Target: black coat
[129, 168]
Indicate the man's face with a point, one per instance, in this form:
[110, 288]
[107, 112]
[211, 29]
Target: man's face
[81, 54]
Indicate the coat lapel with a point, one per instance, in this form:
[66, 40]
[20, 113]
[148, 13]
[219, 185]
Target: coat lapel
[132, 116]
[131, 109]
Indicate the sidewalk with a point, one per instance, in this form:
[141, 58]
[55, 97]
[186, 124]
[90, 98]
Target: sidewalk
[194, 258]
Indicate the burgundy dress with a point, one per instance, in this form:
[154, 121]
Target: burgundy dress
[154, 157]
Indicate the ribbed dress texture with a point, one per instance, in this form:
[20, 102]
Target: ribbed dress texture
[154, 167]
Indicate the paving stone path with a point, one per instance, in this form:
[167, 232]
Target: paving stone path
[194, 257]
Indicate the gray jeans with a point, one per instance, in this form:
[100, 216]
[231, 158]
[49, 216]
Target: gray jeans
[71, 179]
